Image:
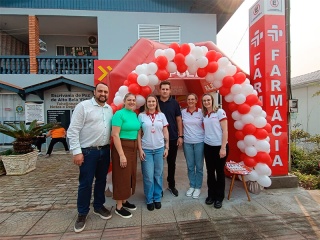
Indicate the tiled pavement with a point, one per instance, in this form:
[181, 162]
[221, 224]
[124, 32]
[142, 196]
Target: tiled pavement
[42, 205]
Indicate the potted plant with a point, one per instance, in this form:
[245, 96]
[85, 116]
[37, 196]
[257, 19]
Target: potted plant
[23, 157]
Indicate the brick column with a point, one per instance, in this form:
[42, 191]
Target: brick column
[34, 49]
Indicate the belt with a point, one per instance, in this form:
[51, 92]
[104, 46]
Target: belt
[97, 147]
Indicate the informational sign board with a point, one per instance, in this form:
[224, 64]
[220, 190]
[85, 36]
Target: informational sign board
[34, 111]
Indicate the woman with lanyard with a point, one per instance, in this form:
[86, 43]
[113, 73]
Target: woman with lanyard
[215, 149]
[125, 127]
[192, 120]
[153, 147]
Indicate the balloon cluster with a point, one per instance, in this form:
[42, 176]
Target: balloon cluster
[250, 120]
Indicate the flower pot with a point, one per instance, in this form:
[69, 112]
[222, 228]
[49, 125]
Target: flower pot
[20, 164]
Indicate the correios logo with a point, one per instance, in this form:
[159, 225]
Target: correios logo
[274, 3]
[256, 9]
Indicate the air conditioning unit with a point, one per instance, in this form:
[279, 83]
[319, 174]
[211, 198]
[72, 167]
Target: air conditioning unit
[93, 40]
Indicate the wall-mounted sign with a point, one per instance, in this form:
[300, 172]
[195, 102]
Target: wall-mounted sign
[19, 109]
[67, 100]
[34, 111]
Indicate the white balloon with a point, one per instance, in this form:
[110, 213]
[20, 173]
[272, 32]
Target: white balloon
[250, 140]
[140, 69]
[197, 52]
[231, 70]
[171, 67]
[263, 113]
[236, 89]
[236, 115]
[223, 62]
[158, 52]
[268, 139]
[239, 98]
[117, 94]
[190, 60]
[238, 125]
[123, 90]
[247, 89]
[193, 69]
[210, 77]
[255, 92]
[229, 98]
[192, 46]
[259, 122]
[217, 84]
[241, 145]
[255, 110]
[202, 62]
[219, 75]
[251, 151]
[169, 53]
[262, 169]
[262, 145]
[153, 80]
[264, 181]
[140, 101]
[143, 80]
[204, 49]
[253, 176]
[118, 100]
[247, 118]
[247, 81]
[152, 68]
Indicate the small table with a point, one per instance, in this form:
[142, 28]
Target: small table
[236, 170]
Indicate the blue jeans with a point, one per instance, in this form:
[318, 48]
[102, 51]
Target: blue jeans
[96, 164]
[152, 171]
[194, 156]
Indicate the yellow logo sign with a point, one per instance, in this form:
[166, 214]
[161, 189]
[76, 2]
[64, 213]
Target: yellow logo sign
[104, 72]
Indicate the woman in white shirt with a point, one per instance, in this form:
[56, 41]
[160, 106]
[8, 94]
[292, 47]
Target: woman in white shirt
[153, 146]
[192, 119]
[215, 149]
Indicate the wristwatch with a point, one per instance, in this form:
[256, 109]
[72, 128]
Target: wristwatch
[181, 136]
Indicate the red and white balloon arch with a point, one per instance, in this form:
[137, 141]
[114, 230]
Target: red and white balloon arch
[251, 126]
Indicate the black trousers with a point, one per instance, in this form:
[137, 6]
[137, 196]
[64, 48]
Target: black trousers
[215, 171]
[171, 160]
[54, 141]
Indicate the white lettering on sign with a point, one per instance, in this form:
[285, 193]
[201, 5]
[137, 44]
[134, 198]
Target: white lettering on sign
[67, 100]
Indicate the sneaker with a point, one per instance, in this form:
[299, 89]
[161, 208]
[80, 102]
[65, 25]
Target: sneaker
[40, 154]
[157, 205]
[189, 192]
[80, 224]
[47, 155]
[209, 201]
[67, 152]
[196, 193]
[150, 206]
[174, 191]
[103, 213]
[123, 213]
[129, 206]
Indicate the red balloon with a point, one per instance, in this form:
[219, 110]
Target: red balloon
[175, 46]
[132, 77]
[239, 135]
[120, 106]
[145, 91]
[218, 56]
[239, 77]
[185, 49]
[114, 107]
[233, 106]
[249, 161]
[179, 59]
[134, 88]
[249, 129]
[268, 127]
[251, 99]
[212, 67]
[162, 74]
[259, 103]
[126, 83]
[162, 62]
[211, 55]
[244, 108]
[263, 157]
[182, 68]
[202, 72]
[224, 91]
[261, 133]
[228, 81]
[137, 111]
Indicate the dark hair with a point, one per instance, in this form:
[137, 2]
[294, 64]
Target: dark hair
[165, 83]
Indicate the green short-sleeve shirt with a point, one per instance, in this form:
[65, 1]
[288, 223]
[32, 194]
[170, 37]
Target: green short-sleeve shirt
[128, 122]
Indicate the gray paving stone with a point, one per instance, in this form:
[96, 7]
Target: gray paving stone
[4, 216]
[189, 210]
[119, 222]
[158, 216]
[94, 234]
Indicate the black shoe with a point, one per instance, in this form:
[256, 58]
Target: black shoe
[150, 206]
[123, 213]
[217, 204]
[129, 206]
[209, 201]
[103, 213]
[80, 223]
[174, 191]
[161, 193]
[157, 205]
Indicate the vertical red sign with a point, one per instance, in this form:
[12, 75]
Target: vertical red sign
[268, 74]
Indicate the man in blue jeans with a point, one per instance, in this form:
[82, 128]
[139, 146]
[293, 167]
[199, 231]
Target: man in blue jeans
[89, 138]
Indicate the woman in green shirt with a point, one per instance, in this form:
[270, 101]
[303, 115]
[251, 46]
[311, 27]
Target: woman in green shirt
[125, 128]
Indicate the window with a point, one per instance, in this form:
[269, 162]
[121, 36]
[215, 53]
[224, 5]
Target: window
[166, 34]
[73, 51]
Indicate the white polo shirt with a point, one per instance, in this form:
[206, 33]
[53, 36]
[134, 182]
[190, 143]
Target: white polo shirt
[192, 126]
[212, 127]
[152, 126]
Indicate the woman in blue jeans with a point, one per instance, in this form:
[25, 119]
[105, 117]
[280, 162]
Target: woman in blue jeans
[192, 119]
[153, 147]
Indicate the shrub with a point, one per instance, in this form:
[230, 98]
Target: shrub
[308, 181]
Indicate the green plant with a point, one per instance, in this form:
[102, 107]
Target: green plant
[308, 181]
[23, 136]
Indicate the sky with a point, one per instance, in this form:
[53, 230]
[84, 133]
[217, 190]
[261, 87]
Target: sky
[233, 38]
